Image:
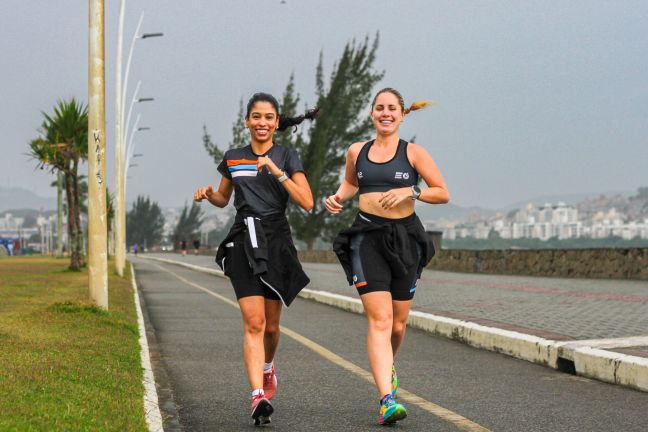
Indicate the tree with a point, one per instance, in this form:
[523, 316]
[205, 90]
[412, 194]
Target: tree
[110, 210]
[83, 202]
[239, 131]
[323, 147]
[343, 120]
[29, 221]
[642, 193]
[217, 235]
[62, 146]
[211, 148]
[493, 235]
[239, 136]
[642, 200]
[144, 222]
[189, 223]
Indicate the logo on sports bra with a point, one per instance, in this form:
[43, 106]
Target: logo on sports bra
[360, 174]
[401, 175]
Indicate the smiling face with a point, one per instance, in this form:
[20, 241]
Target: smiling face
[262, 121]
[387, 113]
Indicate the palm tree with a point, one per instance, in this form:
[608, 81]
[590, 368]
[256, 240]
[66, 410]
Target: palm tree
[83, 204]
[62, 146]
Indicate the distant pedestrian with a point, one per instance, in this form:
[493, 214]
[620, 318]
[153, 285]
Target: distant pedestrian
[385, 250]
[135, 249]
[196, 245]
[258, 253]
[183, 247]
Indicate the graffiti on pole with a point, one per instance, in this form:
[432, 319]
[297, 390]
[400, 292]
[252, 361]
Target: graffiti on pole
[97, 139]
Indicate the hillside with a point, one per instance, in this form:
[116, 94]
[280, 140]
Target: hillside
[20, 198]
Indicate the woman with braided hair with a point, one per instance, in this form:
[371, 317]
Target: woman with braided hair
[258, 254]
[385, 250]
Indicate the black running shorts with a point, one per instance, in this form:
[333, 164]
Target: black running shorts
[371, 271]
[239, 271]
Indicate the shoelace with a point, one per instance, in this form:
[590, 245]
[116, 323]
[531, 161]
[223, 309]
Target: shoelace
[257, 397]
[267, 377]
[387, 401]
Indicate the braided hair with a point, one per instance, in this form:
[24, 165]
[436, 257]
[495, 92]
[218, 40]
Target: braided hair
[284, 121]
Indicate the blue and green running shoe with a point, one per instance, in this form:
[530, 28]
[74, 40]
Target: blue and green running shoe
[394, 382]
[390, 411]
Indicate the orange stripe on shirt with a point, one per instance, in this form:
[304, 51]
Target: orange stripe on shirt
[361, 284]
[235, 162]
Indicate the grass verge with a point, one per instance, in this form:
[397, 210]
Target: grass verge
[64, 363]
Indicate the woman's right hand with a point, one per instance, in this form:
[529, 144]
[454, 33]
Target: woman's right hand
[333, 204]
[203, 193]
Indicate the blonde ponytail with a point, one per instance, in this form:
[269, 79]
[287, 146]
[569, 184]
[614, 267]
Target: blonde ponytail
[419, 104]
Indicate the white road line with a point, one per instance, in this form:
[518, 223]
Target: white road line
[460, 422]
[151, 406]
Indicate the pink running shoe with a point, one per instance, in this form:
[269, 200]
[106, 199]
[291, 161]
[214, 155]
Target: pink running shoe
[261, 409]
[270, 383]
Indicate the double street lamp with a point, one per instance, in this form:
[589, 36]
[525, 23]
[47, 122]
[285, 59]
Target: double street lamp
[121, 131]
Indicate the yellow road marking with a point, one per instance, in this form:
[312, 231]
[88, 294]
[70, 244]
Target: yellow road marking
[460, 422]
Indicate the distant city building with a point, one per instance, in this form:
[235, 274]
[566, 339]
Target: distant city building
[548, 221]
[12, 228]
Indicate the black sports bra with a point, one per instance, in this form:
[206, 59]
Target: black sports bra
[383, 176]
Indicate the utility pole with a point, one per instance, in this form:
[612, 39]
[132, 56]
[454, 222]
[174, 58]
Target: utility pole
[97, 216]
[120, 211]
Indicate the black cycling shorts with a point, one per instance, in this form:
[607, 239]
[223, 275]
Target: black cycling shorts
[371, 271]
[237, 268]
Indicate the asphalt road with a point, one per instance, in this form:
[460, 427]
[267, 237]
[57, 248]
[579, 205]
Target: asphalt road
[322, 369]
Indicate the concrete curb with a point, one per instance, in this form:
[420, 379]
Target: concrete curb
[519, 345]
[151, 406]
[600, 364]
[612, 367]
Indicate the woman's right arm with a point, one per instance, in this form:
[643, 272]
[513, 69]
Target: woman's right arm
[349, 186]
[219, 198]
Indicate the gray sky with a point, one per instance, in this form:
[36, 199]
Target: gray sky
[534, 98]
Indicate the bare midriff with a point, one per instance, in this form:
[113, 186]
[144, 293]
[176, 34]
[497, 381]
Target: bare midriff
[369, 204]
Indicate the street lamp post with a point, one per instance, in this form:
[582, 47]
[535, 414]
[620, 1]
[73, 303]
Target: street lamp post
[119, 147]
[131, 145]
[120, 135]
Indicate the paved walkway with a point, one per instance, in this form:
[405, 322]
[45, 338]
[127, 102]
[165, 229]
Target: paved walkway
[552, 308]
[324, 383]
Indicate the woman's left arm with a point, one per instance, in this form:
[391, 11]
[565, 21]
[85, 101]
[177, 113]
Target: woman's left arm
[436, 191]
[297, 186]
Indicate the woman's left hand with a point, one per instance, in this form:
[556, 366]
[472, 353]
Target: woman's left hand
[264, 161]
[392, 198]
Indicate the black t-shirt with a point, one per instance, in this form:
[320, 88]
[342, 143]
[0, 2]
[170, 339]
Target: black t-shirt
[259, 192]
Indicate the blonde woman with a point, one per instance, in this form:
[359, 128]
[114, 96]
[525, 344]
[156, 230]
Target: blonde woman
[385, 250]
